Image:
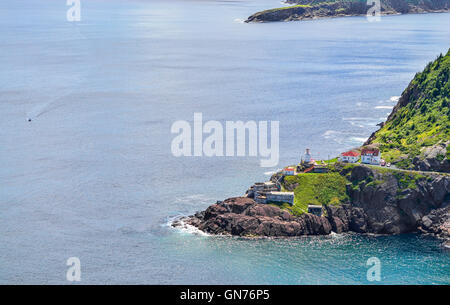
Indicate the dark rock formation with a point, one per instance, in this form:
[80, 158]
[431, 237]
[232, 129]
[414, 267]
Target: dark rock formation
[244, 217]
[437, 223]
[433, 159]
[378, 204]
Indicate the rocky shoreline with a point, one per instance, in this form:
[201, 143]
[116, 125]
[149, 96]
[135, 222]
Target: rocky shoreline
[378, 208]
[305, 10]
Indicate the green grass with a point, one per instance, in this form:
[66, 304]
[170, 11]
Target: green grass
[285, 8]
[405, 179]
[334, 160]
[408, 180]
[317, 189]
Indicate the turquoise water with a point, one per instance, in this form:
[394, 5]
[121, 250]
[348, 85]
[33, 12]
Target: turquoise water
[92, 175]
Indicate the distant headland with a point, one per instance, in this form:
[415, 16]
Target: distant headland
[313, 9]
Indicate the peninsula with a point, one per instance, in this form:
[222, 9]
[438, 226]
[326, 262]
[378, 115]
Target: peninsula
[397, 182]
[313, 9]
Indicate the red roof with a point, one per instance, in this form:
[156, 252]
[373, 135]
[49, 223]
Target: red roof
[289, 168]
[370, 151]
[350, 154]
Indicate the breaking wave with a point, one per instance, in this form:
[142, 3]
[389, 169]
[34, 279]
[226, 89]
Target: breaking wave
[384, 107]
[270, 173]
[394, 98]
[183, 227]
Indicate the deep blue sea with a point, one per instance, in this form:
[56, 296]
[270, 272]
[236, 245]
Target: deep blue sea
[92, 175]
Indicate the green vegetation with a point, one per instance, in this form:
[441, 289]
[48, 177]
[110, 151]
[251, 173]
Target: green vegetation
[317, 189]
[309, 9]
[285, 8]
[318, 3]
[423, 120]
[405, 179]
[408, 180]
[334, 160]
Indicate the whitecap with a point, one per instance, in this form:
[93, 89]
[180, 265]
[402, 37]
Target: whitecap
[333, 135]
[194, 199]
[358, 139]
[270, 173]
[394, 98]
[361, 122]
[183, 227]
[384, 107]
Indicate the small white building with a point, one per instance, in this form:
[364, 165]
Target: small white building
[371, 156]
[280, 197]
[315, 209]
[349, 156]
[289, 171]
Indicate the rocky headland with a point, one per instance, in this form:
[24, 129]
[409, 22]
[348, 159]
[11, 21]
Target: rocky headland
[313, 9]
[412, 197]
[380, 202]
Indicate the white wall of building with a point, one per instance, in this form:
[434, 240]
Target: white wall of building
[369, 159]
[349, 159]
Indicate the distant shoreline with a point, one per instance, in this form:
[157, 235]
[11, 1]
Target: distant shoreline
[321, 10]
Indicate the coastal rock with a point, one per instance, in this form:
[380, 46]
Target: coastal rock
[437, 223]
[339, 218]
[380, 203]
[244, 217]
[433, 159]
[381, 206]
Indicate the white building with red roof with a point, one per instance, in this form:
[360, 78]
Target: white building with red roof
[289, 171]
[349, 156]
[371, 156]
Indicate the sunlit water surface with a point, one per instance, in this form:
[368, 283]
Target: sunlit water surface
[92, 175]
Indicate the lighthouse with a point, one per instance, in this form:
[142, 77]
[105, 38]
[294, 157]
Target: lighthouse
[307, 156]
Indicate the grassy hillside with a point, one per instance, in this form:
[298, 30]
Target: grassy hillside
[421, 117]
[317, 189]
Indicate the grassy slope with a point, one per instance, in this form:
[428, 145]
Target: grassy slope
[330, 188]
[318, 189]
[424, 121]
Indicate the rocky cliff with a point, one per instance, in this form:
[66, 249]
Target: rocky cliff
[381, 202]
[244, 217]
[311, 9]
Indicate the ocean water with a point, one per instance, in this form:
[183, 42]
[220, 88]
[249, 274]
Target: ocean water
[92, 175]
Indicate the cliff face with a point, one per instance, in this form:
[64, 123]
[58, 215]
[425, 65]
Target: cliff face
[307, 9]
[244, 217]
[416, 134]
[386, 202]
